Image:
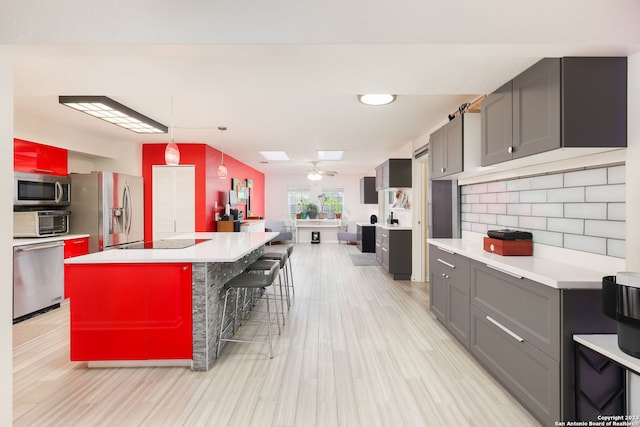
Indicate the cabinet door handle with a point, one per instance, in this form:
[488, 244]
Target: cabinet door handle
[442, 170]
[517, 276]
[505, 329]
[446, 250]
[510, 150]
[445, 263]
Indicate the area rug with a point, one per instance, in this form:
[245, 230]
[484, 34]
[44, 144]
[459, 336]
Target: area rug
[363, 259]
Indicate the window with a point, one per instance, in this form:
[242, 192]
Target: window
[297, 198]
[331, 202]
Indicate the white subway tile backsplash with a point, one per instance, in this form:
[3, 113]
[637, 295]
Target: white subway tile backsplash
[472, 198]
[616, 248]
[488, 219]
[616, 211]
[546, 181]
[507, 221]
[611, 229]
[533, 196]
[533, 222]
[582, 210]
[479, 228]
[519, 209]
[585, 177]
[605, 193]
[566, 195]
[478, 188]
[596, 245]
[616, 175]
[564, 225]
[489, 198]
[585, 210]
[510, 197]
[479, 208]
[547, 238]
[496, 187]
[497, 208]
[547, 209]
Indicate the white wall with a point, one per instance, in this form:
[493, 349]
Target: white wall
[6, 235]
[633, 164]
[276, 186]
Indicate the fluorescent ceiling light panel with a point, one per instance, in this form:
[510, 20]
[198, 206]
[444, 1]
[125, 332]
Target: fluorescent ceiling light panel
[376, 98]
[274, 155]
[330, 154]
[111, 111]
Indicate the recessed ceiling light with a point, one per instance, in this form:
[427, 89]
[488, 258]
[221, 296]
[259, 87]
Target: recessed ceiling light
[274, 155]
[330, 154]
[376, 98]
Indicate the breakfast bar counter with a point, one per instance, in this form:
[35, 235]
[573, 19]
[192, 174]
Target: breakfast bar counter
[157, 303]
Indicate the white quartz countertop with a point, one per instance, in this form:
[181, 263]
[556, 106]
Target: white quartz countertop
[546, 271]
[393, 227]
[33, 240]
[607, 345]
[221, 247]
[366, 224]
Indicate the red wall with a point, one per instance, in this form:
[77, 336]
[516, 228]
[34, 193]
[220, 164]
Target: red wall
[209, 188]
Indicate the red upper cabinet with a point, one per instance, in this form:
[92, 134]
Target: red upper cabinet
[39, 158]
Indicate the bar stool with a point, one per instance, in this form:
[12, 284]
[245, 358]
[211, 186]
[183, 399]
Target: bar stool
[263, 265]
[281, 257]
[244, 282]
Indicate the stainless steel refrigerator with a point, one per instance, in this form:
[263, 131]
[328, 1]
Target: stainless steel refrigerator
[109, 207]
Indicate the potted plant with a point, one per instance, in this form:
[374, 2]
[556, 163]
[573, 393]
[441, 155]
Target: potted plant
[312, 210]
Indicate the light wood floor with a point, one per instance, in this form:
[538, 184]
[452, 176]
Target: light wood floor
[358, 349]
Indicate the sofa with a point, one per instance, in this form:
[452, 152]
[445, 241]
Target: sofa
[285, 233]
[349, 234]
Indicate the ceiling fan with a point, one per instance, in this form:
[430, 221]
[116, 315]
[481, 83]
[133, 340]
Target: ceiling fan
[316, 174]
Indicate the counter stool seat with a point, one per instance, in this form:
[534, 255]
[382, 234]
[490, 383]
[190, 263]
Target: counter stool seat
[282, 258]
[244, 282]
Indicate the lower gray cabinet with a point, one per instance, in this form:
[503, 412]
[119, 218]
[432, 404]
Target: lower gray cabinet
[449, 291]
[529, 374]
[394, 252]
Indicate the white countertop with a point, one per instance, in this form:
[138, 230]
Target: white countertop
[33, 240]
[607, 345]
[546, 271]
[393, 227]
[366, 224]
[222, 247]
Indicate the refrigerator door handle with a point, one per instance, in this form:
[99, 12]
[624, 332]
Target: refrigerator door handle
[128, 214]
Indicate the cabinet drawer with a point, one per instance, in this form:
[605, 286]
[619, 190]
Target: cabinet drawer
[529, 309]
[530, 375]
[454, 266]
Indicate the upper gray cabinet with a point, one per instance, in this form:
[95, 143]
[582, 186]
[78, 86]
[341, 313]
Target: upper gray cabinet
[368, 193]
[556, 103]
[393, 173]
[450, 144]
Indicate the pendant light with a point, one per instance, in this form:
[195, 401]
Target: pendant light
[222, 169]
[171, 152]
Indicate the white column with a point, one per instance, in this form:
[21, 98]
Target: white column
[633, 165]
[6, 236]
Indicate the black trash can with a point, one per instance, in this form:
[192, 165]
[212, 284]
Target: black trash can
[315, 237]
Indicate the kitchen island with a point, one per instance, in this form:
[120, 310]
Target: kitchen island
[156, 304]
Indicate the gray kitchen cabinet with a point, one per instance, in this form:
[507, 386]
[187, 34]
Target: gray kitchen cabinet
[556, 103]
[394, 252]
[522, 332]
[368, 192]
[394, 173]
[452, 144]
[449, 291]
[379, 244]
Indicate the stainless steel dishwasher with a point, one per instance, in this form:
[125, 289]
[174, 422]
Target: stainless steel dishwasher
[38, 277]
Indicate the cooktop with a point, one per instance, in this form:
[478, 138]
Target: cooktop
[165, 244]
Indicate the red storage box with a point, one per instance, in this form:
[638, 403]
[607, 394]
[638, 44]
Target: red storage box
[508, 247]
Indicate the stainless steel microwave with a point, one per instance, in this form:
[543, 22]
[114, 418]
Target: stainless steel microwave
[40, 223]
[34, 189]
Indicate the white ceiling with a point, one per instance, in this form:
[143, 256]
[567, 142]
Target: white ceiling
[284, 75]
